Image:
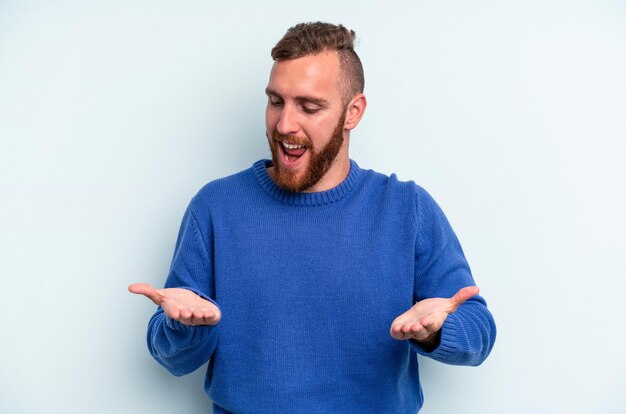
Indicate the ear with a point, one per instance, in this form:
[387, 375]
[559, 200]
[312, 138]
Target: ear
[354, 111]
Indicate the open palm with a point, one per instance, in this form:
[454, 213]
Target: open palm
[179, 304]
[424, 319]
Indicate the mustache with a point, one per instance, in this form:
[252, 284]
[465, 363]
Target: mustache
[291, 139]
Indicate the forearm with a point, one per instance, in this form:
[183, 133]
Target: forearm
[179, 348]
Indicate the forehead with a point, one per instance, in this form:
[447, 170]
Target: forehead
[313, 75]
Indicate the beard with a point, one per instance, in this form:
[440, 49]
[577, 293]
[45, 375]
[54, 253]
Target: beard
[319, 163]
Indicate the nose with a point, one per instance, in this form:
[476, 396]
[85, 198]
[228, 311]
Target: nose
[287, 121]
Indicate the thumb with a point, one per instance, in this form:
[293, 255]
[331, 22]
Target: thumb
[148, 291]
[461, 296]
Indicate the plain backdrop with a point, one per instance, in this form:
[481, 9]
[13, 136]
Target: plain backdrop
[114, 113]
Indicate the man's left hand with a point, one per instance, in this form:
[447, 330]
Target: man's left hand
[424, 320]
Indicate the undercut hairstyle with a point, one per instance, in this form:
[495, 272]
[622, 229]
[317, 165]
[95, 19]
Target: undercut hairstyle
[306, 39]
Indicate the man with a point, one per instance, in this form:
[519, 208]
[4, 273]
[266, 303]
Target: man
[310, 284]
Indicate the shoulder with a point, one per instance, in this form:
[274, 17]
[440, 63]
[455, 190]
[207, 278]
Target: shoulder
[399, 194]
[392, 186]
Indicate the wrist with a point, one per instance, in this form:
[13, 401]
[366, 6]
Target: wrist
[431, 342]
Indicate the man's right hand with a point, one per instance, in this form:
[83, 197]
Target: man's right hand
[181, 305]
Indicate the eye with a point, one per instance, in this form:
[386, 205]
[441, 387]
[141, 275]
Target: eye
[309, 109]
[274, 101]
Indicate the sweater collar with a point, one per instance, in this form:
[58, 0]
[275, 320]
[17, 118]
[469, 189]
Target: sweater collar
[305, 199]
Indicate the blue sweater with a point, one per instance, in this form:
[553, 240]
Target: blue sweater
[308, 285]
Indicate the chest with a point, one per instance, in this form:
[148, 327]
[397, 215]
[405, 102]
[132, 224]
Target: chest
[317, 258]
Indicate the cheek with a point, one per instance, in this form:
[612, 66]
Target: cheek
[270, 120]
[319, 132]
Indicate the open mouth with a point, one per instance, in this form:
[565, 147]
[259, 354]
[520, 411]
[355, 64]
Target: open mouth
[292, 152]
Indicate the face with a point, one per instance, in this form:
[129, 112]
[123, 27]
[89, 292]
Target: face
[305, 119]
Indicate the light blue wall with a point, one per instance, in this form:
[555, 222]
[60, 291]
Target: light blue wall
[114, 113]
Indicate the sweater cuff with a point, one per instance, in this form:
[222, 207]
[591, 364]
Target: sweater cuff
[175, 325]
[448, 345]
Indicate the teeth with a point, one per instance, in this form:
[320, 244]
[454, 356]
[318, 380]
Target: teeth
[293, 146]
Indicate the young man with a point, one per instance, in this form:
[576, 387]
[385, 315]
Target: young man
[310, 284]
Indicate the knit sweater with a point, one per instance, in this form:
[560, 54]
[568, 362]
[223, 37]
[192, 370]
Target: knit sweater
[308, 285]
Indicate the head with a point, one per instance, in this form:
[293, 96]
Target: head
[315, 98]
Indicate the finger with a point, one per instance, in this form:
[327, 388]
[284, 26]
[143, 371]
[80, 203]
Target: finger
[148, 291]
[429, 323]
[400, 330]
[399, 335]
[214, 319]
[432, 323]
[413, 330]
[416, 331]
[186, 317]
[186, 313]
[461, 296]
[396, 331]
[205, 321]
[417, 328]
[201, 316]
[397, 326]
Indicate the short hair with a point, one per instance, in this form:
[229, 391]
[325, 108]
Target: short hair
[312, 38]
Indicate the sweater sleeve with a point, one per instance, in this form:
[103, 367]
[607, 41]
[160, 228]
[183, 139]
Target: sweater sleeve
[180, 348]
[467, 335]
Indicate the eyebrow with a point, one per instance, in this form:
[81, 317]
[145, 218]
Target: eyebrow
[316, 101]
